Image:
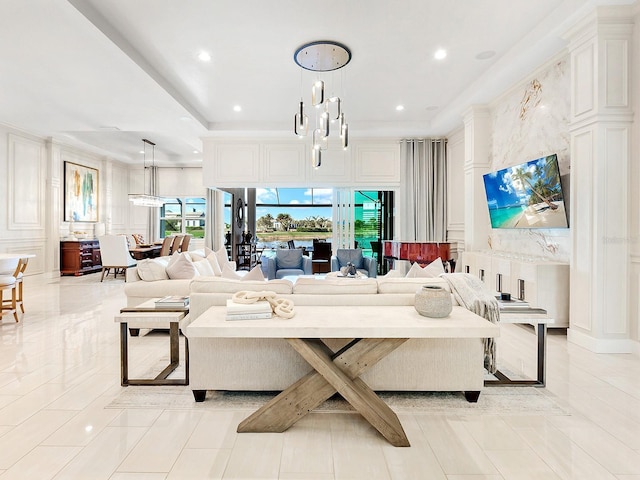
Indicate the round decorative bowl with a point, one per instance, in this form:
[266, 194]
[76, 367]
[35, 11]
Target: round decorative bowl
[433, 301]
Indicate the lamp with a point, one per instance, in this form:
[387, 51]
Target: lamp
[144, 199]
[322, 56]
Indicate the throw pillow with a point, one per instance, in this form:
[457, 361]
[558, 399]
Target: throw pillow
[138, 238]
[181, 267]
[215, 266]
[434, 269]
[222, 257]
[254, 274]
[393, 274]
[228, 272]
[288, 259]
[153, 269]
[353, 255]
[204, 268]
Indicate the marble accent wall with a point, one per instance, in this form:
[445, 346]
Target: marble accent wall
[529, 122]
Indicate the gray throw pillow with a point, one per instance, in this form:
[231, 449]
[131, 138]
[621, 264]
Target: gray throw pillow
[347, 255]
[288, 259]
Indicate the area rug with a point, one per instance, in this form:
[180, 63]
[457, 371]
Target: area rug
[492, 401]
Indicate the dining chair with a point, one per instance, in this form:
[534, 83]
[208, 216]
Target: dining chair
[184, 246]
[115, 254]
[175, 246]
[165, 250]
[12, 282]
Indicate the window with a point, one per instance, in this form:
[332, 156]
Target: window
[183, 215]
[298, 214]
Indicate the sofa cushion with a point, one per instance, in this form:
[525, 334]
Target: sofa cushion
[225, 285]
[181, 267]
[289, 272]
[408, 285]
[335, 286]
[434, 269]
[353, 255]
[153, 269]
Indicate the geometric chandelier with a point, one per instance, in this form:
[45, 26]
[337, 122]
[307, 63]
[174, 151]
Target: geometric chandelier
[147, 199]
[322, 56]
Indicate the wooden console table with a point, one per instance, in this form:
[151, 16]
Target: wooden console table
[78, 257]
[377, 332]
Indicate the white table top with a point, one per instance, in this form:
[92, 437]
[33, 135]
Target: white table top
[345, 322]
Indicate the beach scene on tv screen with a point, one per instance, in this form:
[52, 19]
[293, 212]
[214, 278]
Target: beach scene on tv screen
[527, 195]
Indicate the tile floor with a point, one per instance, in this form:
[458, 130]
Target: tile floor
[59, 367]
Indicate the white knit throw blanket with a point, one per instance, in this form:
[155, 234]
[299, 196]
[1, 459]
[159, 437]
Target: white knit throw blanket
[472, 294]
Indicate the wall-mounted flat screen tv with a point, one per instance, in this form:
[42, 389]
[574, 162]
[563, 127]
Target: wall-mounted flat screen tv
[527, 195]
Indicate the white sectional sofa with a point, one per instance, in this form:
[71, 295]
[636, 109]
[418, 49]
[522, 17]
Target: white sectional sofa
[269, 364]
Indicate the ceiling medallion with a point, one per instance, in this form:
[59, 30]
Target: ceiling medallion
[322, 56]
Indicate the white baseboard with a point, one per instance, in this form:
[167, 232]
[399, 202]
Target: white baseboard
[603, 345]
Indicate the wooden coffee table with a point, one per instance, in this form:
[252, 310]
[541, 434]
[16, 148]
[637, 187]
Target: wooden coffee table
[376, 331]
[146, 315]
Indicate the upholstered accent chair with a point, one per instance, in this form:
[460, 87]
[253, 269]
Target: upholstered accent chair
[365, 265]
[115, 254]
[286, 262]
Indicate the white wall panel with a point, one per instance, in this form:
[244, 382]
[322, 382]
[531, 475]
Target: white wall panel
[235, 164]
[581, 208]
[616, 73]
[119, 201]
[335, 170]
[614, 248]
[180, 182]
[284, 163]
[583, 63]
[376, 164]
[26, 183]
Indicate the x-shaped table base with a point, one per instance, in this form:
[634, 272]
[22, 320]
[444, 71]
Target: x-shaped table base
[334, 372]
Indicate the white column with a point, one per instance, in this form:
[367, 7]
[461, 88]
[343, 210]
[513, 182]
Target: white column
[477, 135]
[600, 128]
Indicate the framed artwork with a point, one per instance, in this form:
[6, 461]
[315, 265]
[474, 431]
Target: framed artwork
[80, 193]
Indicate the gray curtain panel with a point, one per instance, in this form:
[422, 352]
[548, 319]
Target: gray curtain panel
[424, 198]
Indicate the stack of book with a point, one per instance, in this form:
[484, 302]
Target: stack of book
[172, 301]
[512, 305]
[247, 311]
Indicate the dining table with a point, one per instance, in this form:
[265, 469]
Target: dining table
[147, 251]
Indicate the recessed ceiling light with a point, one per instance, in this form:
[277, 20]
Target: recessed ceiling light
[141, 152]
[196, 151]
[487, 54]
[237, 108]
[185, 118]
[204, 56]
[400, 108]
[440, 54]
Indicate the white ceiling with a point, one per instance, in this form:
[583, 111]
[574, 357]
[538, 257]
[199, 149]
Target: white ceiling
[103, 74]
